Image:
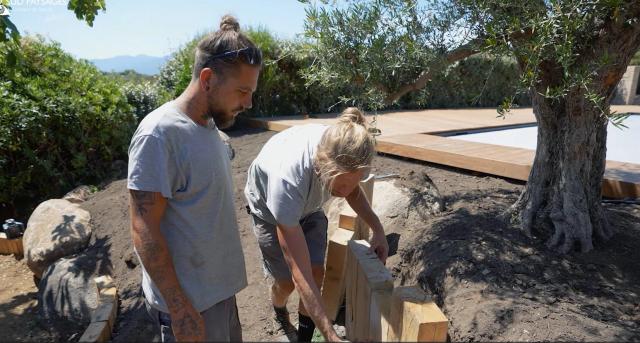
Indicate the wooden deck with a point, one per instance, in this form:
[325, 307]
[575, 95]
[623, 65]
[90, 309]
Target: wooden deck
[411, 134]
[407, 122]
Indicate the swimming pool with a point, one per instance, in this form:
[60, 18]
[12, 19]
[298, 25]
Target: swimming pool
[622, 144]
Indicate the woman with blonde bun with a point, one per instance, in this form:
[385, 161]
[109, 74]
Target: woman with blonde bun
[296, 172]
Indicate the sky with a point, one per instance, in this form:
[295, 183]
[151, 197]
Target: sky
[149, 27]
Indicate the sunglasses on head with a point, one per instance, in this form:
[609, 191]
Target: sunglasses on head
[251, 55]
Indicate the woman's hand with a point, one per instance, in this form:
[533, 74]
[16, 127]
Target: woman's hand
[379, 245]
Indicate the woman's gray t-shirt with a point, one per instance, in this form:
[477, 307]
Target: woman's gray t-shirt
[282, 185]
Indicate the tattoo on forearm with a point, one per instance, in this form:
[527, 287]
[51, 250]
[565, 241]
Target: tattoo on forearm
[188, 325]
[142, 201]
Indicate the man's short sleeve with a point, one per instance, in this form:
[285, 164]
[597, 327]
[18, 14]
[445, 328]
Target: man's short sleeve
[150, 168]
[285, 202]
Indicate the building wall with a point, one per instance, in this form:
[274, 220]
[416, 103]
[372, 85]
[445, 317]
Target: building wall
[627, 90]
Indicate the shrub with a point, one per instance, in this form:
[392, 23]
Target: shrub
[62, 123]
[144, 97]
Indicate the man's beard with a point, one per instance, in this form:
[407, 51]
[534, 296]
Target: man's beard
[221, 118]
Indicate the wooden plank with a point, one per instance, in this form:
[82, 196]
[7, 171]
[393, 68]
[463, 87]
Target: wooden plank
[10, 246]
[415, 318]
[108, 294]
[406, 122]
[108, 300]
[104, 281]
[105, 312]
[380, 300]
[362, 310]
[421, 148]
[621, 180]
[103, 318]
[333, 286]
[360, 227]
[96, 332]
[434, 329]
[351, 277]
[371, 289]
[380, 286]
[347, 219]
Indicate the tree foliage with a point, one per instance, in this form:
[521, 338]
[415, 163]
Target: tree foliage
[62, 123]
[379, 46]
[388, 48]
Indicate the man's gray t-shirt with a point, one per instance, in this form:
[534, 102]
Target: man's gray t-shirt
[282, 185]
[189, 165]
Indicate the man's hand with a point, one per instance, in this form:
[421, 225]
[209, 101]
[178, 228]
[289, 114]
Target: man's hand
[187, 324]
[379, 245]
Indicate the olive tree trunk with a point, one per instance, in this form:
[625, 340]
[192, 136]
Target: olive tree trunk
[562, 198]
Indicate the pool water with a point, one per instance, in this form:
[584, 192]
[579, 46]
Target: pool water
[622, 144]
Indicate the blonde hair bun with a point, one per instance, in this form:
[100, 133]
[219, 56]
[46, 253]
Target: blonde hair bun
[345, 146]
[353, 115]
[229, 23]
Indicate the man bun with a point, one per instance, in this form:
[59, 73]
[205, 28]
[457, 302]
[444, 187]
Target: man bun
[229, 23]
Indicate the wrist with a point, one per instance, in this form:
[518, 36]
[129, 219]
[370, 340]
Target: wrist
[328, 332]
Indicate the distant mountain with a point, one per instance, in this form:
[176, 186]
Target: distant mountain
[143, 64]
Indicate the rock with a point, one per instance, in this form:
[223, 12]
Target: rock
[394, 205]
[67, 294]
[57, 228]
[78, 195]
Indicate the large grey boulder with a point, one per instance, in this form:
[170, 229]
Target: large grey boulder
[67, 294]
[57, 228]
[396, 202]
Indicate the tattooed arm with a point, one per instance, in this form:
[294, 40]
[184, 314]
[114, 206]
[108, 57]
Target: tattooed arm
[147, 209]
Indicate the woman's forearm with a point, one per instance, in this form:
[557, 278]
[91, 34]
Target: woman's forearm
[296, 254]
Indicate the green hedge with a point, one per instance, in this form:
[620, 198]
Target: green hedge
[281, 87]
[62, 123]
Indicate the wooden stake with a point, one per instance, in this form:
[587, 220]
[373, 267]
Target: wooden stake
[333, 286]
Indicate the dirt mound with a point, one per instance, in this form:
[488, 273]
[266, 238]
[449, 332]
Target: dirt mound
[494, 283]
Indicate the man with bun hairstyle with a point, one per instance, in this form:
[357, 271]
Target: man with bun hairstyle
[296, 172]
[183, 221]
